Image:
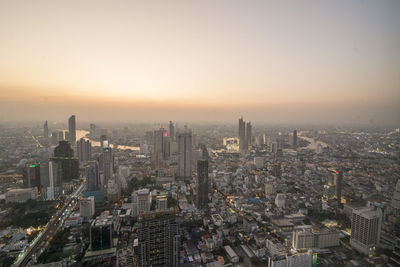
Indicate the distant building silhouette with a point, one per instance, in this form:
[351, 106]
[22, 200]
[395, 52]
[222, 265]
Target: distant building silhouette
[185, 154]
[72, 129]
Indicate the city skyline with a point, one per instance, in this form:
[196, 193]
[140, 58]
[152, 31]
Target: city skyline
[274, 62]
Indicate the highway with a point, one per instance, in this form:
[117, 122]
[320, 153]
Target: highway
[50, 230]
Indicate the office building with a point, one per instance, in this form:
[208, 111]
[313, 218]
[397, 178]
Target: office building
[93, 131]
[103, 141]
[72, 129]
[141, 201]
[305, 237]
[162, 202]
[86, 207]
[92, 176]
[106, 164]
[21, 195]
[50, 180]
[185, 154]
[31, 175]
[171, 131]
[293, 139]
[84, 148]
[202, 183]
[248, 134]
[297, 259]
[366, 229]
[64, 155]
[101, 233]
[158, 239]
[242, 135]
[46, 130]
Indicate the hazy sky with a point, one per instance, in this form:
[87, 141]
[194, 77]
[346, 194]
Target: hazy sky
[270, 61]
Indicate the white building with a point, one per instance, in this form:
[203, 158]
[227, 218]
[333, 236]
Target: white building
[233, 257]
[21, 195]
[292, 260]
[87, 207]
[304, 237]
[280, 201]
[366, 229]
[141, 201]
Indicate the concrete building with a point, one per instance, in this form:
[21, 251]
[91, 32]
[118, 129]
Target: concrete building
[141, 201]
[21, 195]
[366, 229]
[185, 154]
[305, 237]
[84, 148]
[101, 233]
[72, 129]
[87, 207]
[202, 185]
[159, 241]
[280, 200]
[161, 202]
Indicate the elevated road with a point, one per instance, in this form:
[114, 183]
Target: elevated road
[50, 230]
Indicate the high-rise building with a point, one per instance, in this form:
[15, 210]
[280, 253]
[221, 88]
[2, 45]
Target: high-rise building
[84, 148]
[93, 129]
[248, 134]
[171, 131]
[92, 176]
[31, 175]
[161, 147]
[72, 129]
[396, 196]
[202, 183]
[293, 139]
[46, 130]
[339, 181]
[141, 201]
[158, 239]
[242, 135]
[162, 202]
[64, 155]
[60, 136]
[185, 154]
[103, 141]
[101, 233]
[107, 164]
[87, 207]
[366, 229]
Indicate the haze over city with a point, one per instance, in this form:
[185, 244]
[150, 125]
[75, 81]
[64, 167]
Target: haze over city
[312, 62]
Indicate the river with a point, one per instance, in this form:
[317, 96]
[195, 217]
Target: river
[83, 133]
[313, 144]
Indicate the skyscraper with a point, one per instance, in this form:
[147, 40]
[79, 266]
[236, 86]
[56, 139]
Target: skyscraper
[46, 130]
[248, 134]
[31, 175]
[93, 129]
[242, 135]
[366, 229]
[185, 154]
[84, 148]
[171, 131]
[64, 155]
[339, 181]
[72, 129]
[141, 201]
[107, 162]
[160, 146]
[92, 176]
[158, 239]
[202, 183]
[293, 139]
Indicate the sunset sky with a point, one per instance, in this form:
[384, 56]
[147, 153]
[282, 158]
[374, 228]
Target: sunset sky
[271, 61]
